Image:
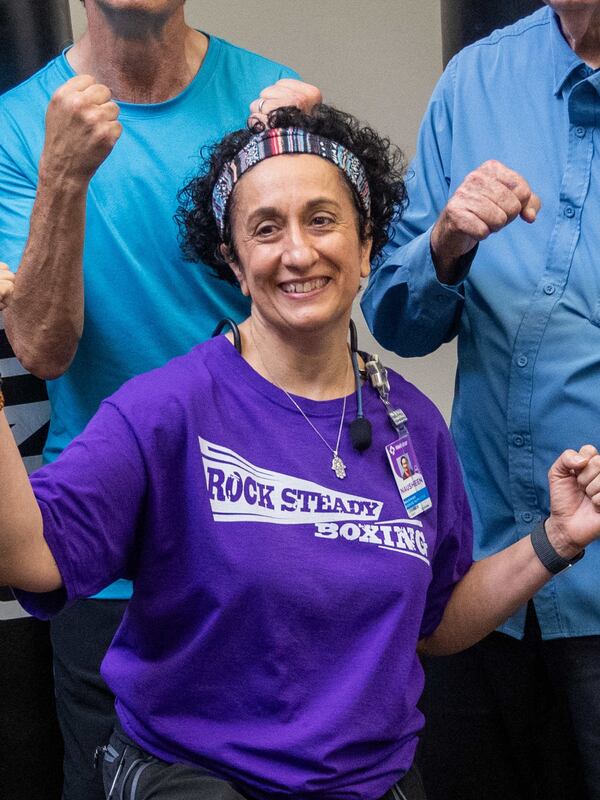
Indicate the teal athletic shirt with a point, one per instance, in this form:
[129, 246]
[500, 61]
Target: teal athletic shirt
[143, 303]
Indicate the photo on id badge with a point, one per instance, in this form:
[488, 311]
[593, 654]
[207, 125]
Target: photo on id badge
[407, 474]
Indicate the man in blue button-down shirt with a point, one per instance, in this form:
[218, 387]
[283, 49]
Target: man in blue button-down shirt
[525, 304]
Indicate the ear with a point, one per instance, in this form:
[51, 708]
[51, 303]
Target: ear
[235, 268]
[365, 257]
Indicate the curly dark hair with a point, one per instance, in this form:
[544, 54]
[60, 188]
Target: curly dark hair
[383, 162]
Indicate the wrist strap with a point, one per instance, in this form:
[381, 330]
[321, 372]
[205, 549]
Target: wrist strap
[551, 560]
[1, 395]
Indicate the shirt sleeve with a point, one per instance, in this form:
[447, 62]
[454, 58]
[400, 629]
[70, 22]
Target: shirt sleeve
[18, 183]
[453, 554]
[288, 72]
[91, 501]
[407, 309]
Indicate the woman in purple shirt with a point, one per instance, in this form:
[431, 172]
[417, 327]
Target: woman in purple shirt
[284, 573]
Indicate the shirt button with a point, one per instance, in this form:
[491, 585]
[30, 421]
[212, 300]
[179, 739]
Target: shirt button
[549, 288]
[527, 516]
[579, 131]
[522, 361]
[518, 440]
[569, 212]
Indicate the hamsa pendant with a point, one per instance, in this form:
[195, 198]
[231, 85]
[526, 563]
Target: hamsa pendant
[338, 466]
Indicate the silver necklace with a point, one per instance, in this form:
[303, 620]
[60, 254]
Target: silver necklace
[337, 465]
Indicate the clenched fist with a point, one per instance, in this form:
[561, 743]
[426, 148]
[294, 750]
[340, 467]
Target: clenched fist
[488, 199]
[574, 481]
[286, 92]
[81, 128]
[7, 285]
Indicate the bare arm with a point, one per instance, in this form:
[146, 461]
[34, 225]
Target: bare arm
[496, 587]
[45, 319]
[490, 592]
[25, 559]
[83, 527]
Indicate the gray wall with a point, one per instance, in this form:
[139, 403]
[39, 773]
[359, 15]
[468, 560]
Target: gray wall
[378, 60]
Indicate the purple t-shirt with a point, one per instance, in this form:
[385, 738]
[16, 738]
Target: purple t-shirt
[276, 610]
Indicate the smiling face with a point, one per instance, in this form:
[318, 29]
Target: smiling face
[299, 254]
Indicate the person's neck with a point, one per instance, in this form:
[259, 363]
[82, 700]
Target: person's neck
[142, 58]
[581, 29]
[316, 365]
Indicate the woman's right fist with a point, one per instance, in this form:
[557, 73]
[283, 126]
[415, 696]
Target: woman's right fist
[7, 285]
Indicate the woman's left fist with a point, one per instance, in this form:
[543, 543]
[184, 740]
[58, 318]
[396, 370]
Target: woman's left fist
[574, 481]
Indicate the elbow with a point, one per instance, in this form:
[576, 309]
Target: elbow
[430, 648]
[44, 366]
[43, 355]
[42, 361]
[427, 648]
[407, 332]
[411, 340]
[433, 646]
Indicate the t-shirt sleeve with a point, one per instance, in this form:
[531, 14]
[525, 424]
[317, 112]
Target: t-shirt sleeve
[453, 554]
[91, 500]
[288, 72]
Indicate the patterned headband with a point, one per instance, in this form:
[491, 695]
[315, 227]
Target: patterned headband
[279, 142]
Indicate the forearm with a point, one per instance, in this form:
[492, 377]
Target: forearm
[25, 561]
[407, 309]
[45, 318]
[491, 591]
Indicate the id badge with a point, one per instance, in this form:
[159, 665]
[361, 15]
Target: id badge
[407, 474]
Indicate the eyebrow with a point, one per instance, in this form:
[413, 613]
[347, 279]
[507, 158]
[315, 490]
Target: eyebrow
[272, 211]
[319, 201]
[263, 211]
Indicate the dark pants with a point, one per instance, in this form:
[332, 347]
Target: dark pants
[132, 774]
[80, 638]
[30, 741]
[513, 719]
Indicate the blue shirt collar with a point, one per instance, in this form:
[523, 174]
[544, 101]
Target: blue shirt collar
[566, 61]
